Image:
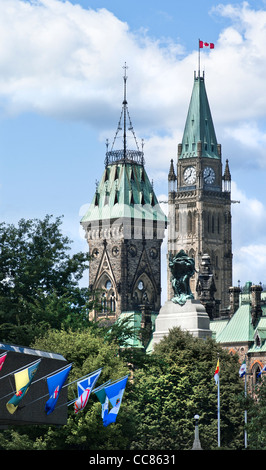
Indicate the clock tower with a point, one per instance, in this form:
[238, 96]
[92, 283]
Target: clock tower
[200, 198]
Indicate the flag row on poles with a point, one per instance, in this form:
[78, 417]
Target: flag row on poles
[109, 394]
[242, 370]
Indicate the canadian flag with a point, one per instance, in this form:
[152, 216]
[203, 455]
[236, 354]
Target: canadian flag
[206, 44]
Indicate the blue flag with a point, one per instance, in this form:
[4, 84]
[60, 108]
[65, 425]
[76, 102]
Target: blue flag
[243, 369]
[114, 392]
[55, 383]
[85, 387]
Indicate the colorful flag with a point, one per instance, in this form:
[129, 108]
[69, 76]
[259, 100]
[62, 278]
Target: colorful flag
[262, 370]
[206, 44]
[85, 387]
[23, 380]
[216, 373]
[2, 360]
[55, 383]
[114, 393]
[102, 397]
[243, 369]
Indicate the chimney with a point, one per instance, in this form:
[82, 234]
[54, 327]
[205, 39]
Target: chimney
[256, 310]
[234, 293]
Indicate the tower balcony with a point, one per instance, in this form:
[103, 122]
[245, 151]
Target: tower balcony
[124, 156]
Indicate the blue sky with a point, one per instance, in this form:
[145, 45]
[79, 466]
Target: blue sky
[61, 91]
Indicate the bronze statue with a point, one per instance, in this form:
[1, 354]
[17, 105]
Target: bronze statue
[182, 268]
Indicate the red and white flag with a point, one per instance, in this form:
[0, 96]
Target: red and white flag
[206, 44]
[82, 400]
[85, 387]
[2, 360]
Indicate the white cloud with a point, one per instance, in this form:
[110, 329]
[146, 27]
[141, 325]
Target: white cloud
[65, 61]
[249, 264]
[60, 59]
[249, 238]
[248, 218]
[250, 142]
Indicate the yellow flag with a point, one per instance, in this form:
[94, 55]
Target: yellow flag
[22, 380]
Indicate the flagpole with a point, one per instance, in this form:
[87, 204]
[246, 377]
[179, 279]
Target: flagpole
[246, 413]
[21, 368]
[218, 407]
[199, 60]
[64, 386]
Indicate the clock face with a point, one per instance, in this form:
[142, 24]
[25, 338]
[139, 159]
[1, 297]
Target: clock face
[190, 175]
[208, 175]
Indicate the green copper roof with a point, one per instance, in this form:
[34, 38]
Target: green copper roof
[261, 330]
[134, 324]
[217, 327]
[199, 125]
[124, 191]
[239, 329]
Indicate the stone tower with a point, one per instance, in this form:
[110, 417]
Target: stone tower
[125, 227]
[200, 197]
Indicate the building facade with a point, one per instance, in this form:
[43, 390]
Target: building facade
[200, 198]
[244, 332]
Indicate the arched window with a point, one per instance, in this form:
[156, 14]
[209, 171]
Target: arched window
[257, 370]
[112, 303]
[104, 303]
[108, 295]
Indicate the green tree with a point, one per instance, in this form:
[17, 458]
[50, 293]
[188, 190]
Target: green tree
[179, 385]
[39, 280]
[163, 395]
[256, 423]
[88, 351]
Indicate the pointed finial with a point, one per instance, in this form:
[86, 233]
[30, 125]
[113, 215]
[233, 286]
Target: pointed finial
[171, 174]
[125, 67]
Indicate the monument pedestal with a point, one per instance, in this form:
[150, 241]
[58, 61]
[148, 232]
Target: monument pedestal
[191, 317]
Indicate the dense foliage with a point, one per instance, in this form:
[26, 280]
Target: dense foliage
[179, 385]
[159, 404]
[39, 280]
[42, 306]
[256, 426]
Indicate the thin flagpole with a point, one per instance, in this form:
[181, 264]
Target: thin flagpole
[21, 368]
[65, 385]
[218, 408]
[199, 60]
[218, 401]
[246, 414]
